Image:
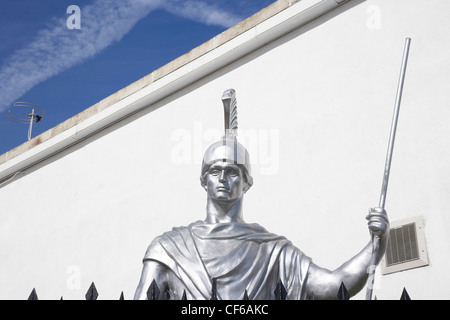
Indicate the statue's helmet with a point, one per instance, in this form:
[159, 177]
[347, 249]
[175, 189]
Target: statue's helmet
[228, 149]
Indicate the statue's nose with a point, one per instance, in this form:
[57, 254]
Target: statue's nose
[222, 176]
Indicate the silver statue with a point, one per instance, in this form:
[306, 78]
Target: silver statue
[242, 258]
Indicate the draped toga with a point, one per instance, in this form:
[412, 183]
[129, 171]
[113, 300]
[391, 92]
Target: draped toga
[241, 257]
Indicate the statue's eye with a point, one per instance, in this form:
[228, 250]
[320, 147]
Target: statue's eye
[214, 172]
[233, 173]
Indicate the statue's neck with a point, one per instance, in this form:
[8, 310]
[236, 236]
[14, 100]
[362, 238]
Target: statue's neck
[223, 211]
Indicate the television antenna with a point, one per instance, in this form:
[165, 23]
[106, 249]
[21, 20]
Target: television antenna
[26, 113]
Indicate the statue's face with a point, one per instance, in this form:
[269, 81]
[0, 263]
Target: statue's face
[224, 181]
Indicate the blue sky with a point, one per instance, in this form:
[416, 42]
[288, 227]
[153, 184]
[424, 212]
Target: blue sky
[64, 71]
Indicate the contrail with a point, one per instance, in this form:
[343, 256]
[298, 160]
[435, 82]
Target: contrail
[104, 22]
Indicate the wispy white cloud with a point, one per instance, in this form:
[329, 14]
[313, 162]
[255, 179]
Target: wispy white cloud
[104, 22]
[203, 12]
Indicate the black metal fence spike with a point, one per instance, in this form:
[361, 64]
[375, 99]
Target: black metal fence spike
[33, 295]
[343, 293]
[92, 293]
[280, 291]
[214, 289]
[153, 291]
[405, 295]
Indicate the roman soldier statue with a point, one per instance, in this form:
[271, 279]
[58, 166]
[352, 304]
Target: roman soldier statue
[244, 260]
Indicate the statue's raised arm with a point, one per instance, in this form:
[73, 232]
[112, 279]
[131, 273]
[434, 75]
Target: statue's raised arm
[324, 284]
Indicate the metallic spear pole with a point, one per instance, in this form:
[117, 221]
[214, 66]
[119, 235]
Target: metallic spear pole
[387, 167]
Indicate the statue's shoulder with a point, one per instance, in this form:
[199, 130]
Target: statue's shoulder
[180, 231]
[175, 237]
[176, 232]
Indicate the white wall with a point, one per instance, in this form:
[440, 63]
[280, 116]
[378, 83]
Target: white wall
[319, 102]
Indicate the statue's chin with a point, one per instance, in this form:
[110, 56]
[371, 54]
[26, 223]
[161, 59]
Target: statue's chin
[224, 198]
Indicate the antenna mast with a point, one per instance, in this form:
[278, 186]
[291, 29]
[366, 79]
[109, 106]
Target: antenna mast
[35, 116]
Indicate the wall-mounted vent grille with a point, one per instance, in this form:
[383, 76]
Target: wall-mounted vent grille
[406, 246]
[402, 245]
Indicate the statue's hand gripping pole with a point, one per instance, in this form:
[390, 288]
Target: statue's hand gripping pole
[387, 168]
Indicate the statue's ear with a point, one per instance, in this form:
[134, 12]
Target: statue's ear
[246, 187]
[203, 182]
